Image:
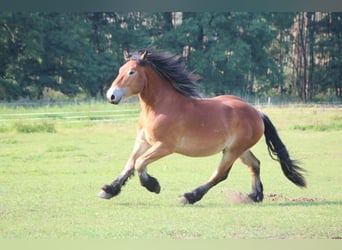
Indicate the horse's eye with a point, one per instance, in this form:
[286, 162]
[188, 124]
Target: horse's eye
[131, 72]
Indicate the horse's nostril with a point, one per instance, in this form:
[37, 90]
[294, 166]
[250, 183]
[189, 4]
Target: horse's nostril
[112, 97]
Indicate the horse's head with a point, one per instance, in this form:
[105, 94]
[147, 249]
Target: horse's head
[130, 80]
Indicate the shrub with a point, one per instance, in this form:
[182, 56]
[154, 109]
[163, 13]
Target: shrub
[35, 128]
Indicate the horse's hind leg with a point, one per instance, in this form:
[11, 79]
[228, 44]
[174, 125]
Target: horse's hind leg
[219, 175]
[253, 165]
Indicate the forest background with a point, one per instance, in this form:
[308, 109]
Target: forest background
[62, 56]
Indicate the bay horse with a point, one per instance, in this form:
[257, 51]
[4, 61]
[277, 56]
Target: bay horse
[176, 119]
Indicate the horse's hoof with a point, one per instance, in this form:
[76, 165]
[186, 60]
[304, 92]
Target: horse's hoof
[104, 195]
[157, 189]
[256, 197]
[184, 200]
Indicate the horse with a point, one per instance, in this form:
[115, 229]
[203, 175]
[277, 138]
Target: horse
[175, 118]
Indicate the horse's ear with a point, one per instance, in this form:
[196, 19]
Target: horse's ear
[126, 55]
[143, 55]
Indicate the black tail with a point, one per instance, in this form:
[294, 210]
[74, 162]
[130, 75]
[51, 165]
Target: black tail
[277, 148]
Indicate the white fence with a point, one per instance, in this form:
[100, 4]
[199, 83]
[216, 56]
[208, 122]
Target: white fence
[72, 116]
[130, 112]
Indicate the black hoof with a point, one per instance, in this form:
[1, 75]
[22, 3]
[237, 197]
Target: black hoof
[256, 197]
[257, 194]
[151, 184]
[189, 198]
[195, 195]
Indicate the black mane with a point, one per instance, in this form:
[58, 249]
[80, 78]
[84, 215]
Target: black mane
[171, 67]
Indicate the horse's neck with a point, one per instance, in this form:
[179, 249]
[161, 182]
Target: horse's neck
[158, 94]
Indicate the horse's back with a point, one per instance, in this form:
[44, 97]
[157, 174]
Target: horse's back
[231, 100]
[240, 107]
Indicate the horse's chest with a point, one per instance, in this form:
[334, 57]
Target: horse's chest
[162, 130]
[150, 137]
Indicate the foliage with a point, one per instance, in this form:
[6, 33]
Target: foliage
[248, 54]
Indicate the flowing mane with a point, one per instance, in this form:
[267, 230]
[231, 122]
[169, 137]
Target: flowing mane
[170, 67]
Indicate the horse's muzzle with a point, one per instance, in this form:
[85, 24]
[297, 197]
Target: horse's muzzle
[114, 95]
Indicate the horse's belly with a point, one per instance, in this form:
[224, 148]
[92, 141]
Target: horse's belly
[197, 147]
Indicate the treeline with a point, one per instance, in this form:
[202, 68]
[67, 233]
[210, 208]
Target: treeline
[64, 55]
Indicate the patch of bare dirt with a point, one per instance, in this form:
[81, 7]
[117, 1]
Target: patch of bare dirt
[280, 197]
[239, 197]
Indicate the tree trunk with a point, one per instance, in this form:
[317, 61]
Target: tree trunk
[311, 35]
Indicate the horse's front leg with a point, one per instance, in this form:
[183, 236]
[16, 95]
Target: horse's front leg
[157, 151]
[113, 189]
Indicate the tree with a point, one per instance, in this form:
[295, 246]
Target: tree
[21, 51]
[329, 53]
[228, 49]
[247, 54]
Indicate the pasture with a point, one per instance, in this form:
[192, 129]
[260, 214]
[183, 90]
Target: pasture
[54, 160]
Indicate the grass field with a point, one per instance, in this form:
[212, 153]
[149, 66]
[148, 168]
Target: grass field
[51, 170]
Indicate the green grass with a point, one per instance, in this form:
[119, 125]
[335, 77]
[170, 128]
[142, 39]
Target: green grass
[49, 183]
